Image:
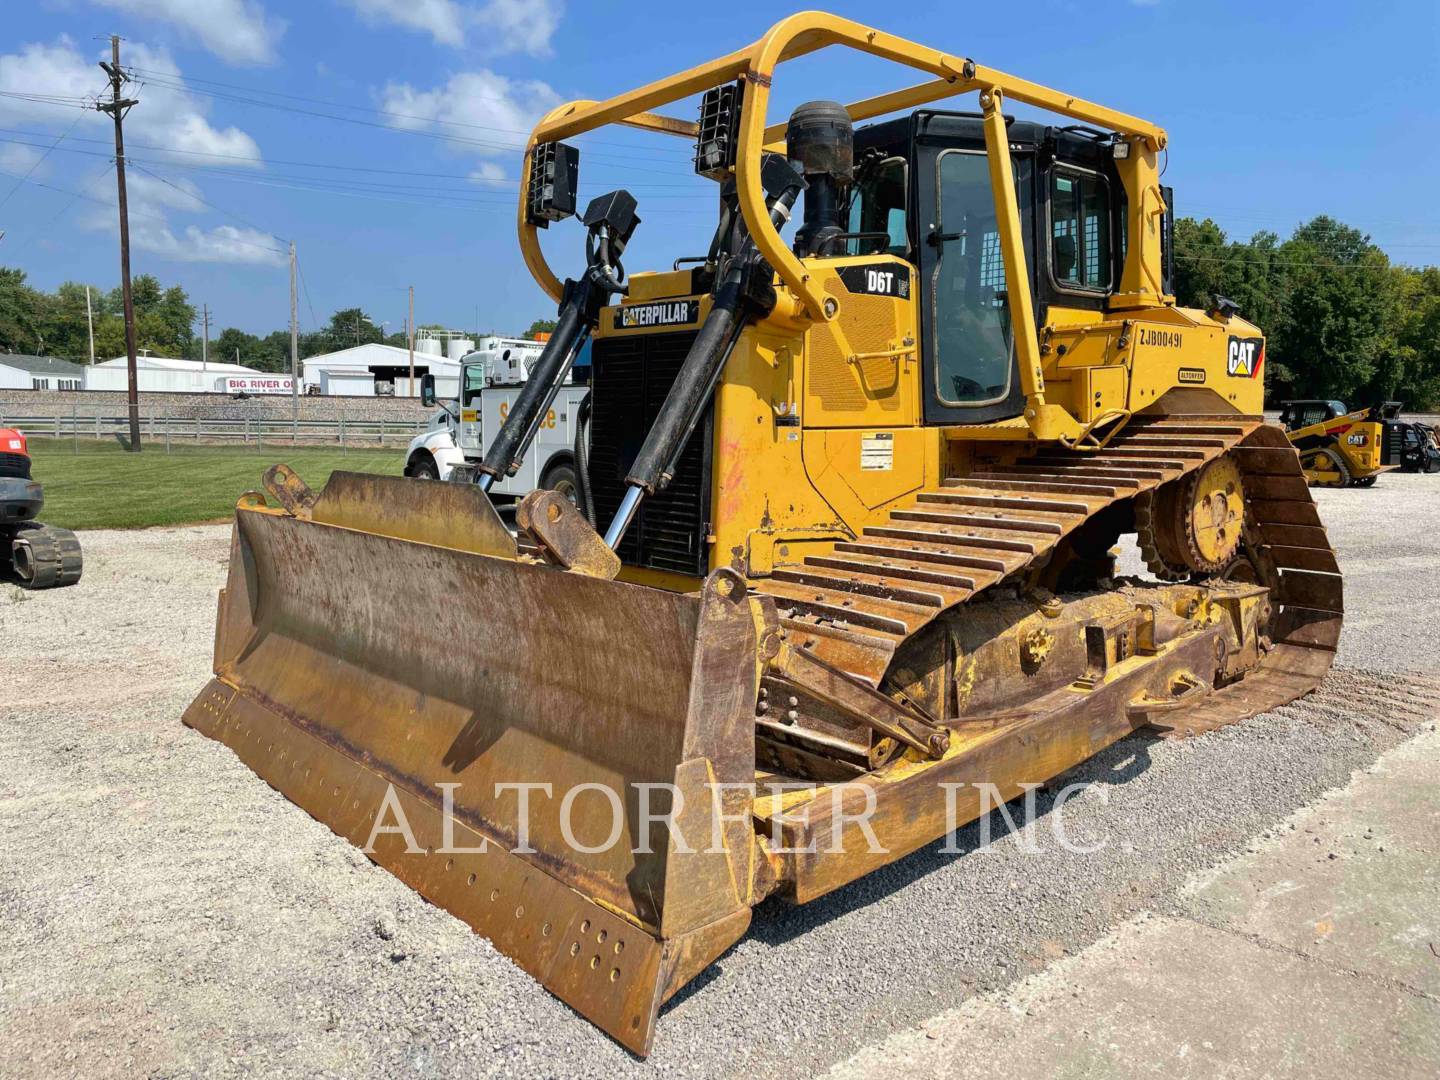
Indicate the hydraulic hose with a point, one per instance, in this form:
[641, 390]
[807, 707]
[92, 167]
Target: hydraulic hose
[610, 220]
[582, 458]
[734, 305]
[654, 467]
[507, 450]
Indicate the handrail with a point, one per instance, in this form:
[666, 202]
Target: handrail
[793, 37]
[805, 33]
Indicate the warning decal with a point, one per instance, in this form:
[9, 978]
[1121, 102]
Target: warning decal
[877, 452]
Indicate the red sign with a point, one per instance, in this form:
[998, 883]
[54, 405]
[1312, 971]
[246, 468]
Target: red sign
[258, 384]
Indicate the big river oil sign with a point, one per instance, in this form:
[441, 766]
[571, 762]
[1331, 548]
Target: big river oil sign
[256, 384]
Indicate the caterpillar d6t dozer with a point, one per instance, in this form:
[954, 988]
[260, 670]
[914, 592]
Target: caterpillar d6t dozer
[842, 561]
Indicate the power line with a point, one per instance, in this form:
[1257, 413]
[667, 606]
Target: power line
[75, 197]
[440, 136]
[461, 191]
[314, 322]
[474, 204]
[212, 206]
[169, 79]
[258, 162]
[40, 160]
[67, 101]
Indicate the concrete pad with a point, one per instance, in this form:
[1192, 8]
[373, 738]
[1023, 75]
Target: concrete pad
[1315, 953]
[1353, 879]
[1169, 997]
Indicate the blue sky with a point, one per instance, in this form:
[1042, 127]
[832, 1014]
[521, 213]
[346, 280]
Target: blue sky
[1276, 112]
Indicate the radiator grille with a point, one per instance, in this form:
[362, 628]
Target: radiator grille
[629, 381]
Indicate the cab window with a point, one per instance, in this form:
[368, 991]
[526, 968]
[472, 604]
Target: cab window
[878, 207]
[474, 383]
[971, 324]
[1079, 230]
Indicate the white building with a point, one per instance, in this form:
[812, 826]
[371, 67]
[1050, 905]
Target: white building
[21, 372]
[164, 374]
[384, 370]
[375, 369]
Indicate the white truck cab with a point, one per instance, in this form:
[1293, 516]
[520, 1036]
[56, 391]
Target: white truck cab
[490, 380]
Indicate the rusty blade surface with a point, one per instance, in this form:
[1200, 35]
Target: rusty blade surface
[351, 665]
[450, 515]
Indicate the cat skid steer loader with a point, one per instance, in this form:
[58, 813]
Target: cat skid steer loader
[848, 567]
[1341, 448]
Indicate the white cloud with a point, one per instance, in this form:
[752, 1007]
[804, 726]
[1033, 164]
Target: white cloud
[521, 26]
[444, 20]
[152, 202]
[17, 159]
[237, 31]
[494, 108]
[488, 114]
[505, 26]
[221, 244]
[168, 117]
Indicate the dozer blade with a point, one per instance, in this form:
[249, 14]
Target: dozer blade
[432, 682]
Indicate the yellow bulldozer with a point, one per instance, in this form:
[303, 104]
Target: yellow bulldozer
[840, 567]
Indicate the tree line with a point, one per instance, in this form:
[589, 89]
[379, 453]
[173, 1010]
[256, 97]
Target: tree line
[167, 324]
[1341, 321]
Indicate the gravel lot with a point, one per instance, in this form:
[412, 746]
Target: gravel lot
[167, 913]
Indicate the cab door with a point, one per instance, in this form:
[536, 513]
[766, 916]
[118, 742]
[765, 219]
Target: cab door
[472, 382]
[968, 354]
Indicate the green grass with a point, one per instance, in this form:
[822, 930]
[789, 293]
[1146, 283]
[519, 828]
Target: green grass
[103, 487]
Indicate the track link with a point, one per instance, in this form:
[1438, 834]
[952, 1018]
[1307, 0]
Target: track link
[45, 556]
[855, 606]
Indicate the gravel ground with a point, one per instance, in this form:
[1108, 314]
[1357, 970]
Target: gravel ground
[166, 912]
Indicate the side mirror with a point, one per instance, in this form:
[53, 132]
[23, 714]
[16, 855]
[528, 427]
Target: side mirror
[427, 390]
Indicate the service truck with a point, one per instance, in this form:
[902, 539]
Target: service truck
[490, 379]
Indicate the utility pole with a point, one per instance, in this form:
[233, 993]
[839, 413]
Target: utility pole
[294, 353]
[90, 323]
[204, 339]
[116, 108]
[410, 338]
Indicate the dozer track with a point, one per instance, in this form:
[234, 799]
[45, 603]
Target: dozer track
[856, 607]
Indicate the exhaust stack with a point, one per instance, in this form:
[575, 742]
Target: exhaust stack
[820, 141]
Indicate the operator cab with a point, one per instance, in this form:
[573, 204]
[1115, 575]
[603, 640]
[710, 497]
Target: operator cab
[1069, 193]
[1299, 414]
